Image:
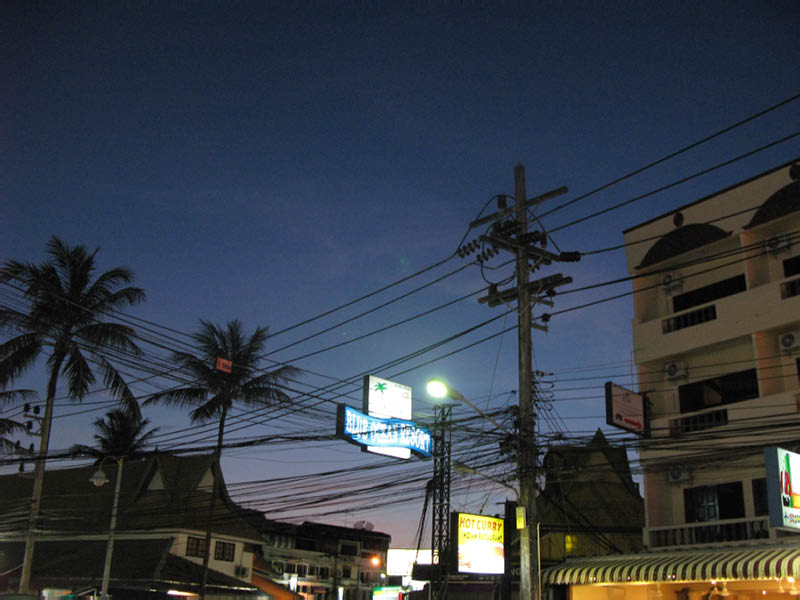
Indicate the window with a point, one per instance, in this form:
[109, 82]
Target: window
[305, 544]
[726, 389]
[291, 567]
[791, 266]
[278, 566]
[347, 572]
[570, 543]
[713, 502]
[349, 550]
[324, 572]
[224, 551]
[301, 570]
[709, 293]
[195, 546]
[313, 570]
[760, 507]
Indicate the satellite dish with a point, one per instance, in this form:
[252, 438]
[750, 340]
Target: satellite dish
[368, 526]
[359, 525]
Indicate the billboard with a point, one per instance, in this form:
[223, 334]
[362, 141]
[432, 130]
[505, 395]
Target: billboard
[372, 432]
[783, 487]
[387, 400]
[626, 409]
[479, 543]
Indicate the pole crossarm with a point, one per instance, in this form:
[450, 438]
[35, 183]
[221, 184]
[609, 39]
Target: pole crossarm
[510, 210]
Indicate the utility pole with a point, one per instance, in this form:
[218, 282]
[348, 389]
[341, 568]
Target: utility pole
[526, 454]
[513, 236]
[38, 484]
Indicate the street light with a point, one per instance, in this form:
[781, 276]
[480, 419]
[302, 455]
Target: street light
[438, 388]
[99, 479]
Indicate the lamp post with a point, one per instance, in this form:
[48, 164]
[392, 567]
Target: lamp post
[99, 479]
[529, 576]
[440, 530]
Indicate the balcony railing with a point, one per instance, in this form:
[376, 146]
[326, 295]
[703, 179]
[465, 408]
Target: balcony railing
[689, 319]
[698, 422]
[693, 534]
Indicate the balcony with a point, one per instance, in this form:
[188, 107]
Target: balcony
[689, 319]
[716, 532]
[698, 422]
[762, 308]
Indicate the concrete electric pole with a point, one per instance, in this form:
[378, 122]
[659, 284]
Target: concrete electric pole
[509, 231]
[526, 453]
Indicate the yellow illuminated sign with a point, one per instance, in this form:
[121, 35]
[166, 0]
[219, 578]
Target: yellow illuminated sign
[480, 544]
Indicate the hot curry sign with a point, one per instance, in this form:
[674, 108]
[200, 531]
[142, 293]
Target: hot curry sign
[480, 543]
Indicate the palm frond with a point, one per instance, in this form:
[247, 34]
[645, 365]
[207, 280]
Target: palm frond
[100, 335]
[16, 396]
[17, 355]
[79, 374]
[119, 388]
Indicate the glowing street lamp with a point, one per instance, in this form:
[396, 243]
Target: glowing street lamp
[439, 389]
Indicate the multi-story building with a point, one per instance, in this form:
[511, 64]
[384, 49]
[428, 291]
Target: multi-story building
[716, 334]
[717, 296]
[324, 562]
[159, 538]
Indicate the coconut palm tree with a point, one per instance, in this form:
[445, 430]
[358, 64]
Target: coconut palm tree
[214, 389]
[63, 317]
[119, 435]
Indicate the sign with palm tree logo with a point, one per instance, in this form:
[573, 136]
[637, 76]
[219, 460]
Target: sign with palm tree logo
[386, 399]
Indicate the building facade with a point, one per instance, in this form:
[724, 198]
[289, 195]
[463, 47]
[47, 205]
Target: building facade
[715, 297]
[716, 334]
[590, 504]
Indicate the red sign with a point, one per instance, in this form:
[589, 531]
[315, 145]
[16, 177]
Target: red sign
[224, 365]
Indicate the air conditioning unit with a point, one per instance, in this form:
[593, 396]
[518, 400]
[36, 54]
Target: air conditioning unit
[778, 243]
[240, 571]
[676, 370]
[671, 281]
[789, 341]
[678, 474]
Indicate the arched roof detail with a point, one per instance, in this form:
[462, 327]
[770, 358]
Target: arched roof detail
[680, 240]
[783, 202]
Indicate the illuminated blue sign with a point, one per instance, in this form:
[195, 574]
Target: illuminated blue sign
[364, 430]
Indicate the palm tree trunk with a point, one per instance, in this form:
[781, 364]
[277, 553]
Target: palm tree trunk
[38, 482]
[213, 501]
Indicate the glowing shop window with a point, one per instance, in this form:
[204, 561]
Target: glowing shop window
[570, 543]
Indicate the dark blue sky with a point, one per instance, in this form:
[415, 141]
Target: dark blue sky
[268, 161]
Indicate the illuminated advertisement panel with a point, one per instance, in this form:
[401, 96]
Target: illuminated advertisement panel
[479, 543]
[783, 488]
[386, 592]
[387, 400]
[366, 430]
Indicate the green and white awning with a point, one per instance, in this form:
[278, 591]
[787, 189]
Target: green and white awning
[748, 563]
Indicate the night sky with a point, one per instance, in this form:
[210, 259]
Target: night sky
[271, 161]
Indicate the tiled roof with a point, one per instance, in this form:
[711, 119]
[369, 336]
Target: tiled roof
[71, 504]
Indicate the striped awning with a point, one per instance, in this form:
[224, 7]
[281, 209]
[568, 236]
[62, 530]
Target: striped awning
[761, 562]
